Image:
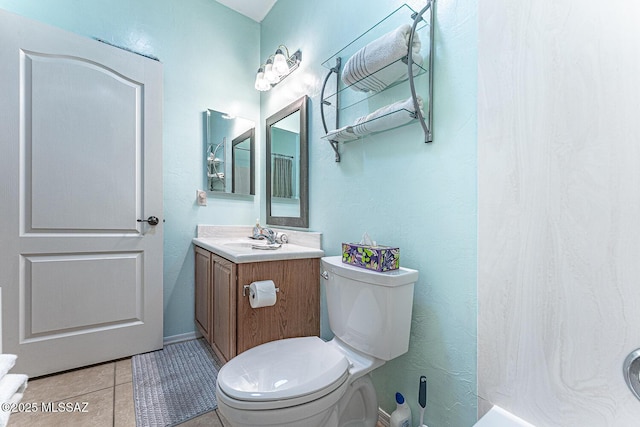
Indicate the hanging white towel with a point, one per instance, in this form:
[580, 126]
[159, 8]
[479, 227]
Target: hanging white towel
[12, 387]
[391, 116]
[6, 363]
[377, 65]
[343, 134]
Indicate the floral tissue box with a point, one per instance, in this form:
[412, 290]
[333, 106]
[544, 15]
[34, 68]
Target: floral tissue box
[378, 258]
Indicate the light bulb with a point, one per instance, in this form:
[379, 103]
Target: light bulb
[269, 74]
[259, 77]
[264, 85]
[261, 84]
[280, 65]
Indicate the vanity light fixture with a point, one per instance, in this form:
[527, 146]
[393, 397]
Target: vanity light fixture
[277, 67]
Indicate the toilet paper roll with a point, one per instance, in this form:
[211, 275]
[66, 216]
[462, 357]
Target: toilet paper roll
[262, 294]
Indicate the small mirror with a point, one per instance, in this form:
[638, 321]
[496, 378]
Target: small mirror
[287, 166]
[230, 153]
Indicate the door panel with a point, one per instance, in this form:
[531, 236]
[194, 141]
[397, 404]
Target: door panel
[74, 294]
[224, 307]
[80, 162]
[203, 296]
[79, 119]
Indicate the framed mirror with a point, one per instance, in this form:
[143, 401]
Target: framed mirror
[287, 166]
[229, 153]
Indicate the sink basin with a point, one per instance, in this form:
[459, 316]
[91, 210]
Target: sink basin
[239, 245]
[253, 245]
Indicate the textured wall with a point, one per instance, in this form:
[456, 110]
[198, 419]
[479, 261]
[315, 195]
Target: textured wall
[402, 191]
[208, 54]
[559, 204]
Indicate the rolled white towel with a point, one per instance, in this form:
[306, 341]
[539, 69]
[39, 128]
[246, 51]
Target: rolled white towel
[12, 387]
[6, 363]
[343, 134]
[377, 65]
[388, 117]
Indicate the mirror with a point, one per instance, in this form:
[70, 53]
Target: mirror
[287, 165]
[230, 153]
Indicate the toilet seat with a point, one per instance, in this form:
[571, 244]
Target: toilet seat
[283, 373]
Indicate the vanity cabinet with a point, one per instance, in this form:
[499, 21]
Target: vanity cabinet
[225, 317]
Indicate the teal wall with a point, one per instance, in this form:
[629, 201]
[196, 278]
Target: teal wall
[420, 197]
[200, 46]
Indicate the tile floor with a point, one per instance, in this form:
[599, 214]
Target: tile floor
[107, 390]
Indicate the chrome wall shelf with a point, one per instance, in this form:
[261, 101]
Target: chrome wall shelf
[345, 102]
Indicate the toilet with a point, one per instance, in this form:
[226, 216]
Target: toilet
[308, 382]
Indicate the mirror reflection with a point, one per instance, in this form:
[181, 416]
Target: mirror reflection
[230, 153]
[287, 166]
[243, 161]
[285, 169]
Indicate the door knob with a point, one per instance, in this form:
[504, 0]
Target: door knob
[152, 220]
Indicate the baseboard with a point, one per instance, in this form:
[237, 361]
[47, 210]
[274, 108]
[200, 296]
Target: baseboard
[384, 419]
[180, 337]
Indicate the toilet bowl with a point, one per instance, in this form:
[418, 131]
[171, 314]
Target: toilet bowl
[306, 381]
[301, 384]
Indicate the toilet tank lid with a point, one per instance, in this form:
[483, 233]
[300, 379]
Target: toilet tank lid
[399, 277]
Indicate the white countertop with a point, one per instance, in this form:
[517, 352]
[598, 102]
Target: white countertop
[233, 243]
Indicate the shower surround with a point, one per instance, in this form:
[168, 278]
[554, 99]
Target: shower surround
[559, 209]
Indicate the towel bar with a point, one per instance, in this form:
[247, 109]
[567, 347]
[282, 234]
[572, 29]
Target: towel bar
[336, 70]
[425, 122]
[428, 133]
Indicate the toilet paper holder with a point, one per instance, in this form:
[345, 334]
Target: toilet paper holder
[245, 288]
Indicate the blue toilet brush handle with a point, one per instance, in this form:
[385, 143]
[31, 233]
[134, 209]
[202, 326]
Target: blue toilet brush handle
[422, 397]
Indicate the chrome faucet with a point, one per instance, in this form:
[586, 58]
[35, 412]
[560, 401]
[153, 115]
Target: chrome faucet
[265, 233]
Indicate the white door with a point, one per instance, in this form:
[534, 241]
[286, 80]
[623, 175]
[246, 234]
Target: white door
[80, 163]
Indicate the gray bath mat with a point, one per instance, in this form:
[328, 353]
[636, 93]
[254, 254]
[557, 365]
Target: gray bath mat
[175, 384]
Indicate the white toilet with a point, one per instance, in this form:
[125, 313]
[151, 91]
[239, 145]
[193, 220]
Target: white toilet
[307, 382]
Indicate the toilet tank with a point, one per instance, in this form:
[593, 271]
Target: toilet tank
[368, 310]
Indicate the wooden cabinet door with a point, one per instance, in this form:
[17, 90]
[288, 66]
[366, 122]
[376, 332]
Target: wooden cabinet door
[297, 310]
[203, 292]
[224, 307]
